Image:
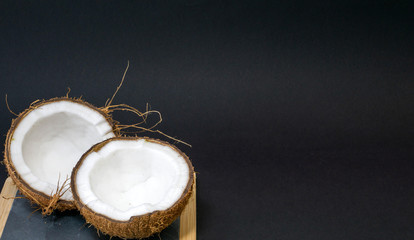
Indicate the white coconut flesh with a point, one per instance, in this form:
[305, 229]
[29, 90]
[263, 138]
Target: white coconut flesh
[127, 178]
[49, 141]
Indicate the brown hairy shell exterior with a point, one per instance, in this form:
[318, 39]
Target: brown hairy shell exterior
[141, 226]
[33, 195]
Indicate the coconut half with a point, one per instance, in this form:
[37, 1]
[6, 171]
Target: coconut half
[45, 142]
[132, 187]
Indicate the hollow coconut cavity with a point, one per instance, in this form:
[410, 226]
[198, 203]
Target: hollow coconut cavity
[132, 187]
[45, 142]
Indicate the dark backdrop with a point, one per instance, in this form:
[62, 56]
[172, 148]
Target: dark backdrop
[300, 115]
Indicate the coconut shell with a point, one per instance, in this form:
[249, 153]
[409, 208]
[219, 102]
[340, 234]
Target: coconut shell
[140, 226]
[33, 195]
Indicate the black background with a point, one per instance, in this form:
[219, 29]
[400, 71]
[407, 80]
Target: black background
[300, 115]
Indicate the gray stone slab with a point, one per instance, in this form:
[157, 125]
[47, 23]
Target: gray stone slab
[23, 223]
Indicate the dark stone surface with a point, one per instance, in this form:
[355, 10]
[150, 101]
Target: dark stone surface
[23, 223]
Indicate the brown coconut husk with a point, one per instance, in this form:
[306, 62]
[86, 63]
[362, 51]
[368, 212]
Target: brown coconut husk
[141, 226]
[47, 203]
[109, 109]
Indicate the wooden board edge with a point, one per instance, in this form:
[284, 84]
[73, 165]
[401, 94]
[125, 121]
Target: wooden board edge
[6, 201]
[188, 218]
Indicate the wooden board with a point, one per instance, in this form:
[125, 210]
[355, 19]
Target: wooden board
[6, 200]
[18, 222]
